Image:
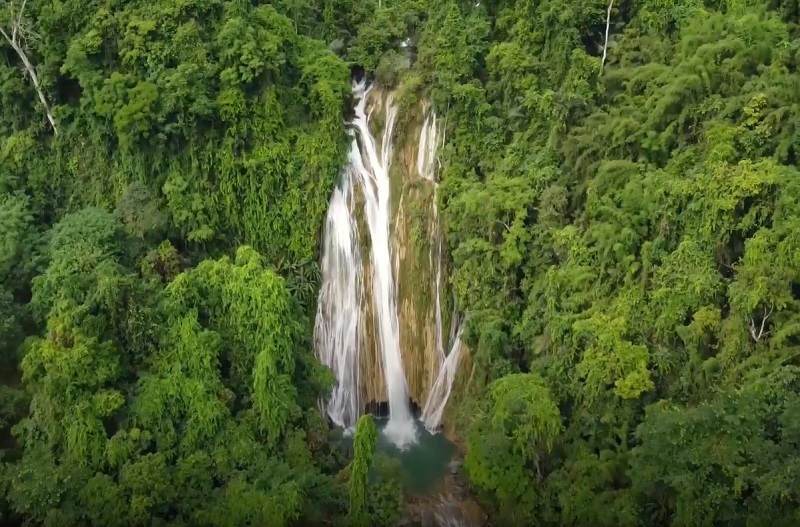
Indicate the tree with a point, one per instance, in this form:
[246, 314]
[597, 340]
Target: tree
[72, 379]
[515, 431]
[211, 432]
[15, 227]
[85, 279]
[729, 458]
[139, 211]
[364, 441]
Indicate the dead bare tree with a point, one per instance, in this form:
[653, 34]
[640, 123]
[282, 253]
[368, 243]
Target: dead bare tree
[504, 224]
[758, 334]
[16, 36]
[608, 25]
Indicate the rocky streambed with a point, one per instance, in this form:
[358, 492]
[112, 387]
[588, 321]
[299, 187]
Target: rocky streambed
[450, 504]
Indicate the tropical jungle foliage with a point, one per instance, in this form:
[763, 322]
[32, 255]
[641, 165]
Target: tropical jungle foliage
[622, 207]
[625, 235]
[158, 247]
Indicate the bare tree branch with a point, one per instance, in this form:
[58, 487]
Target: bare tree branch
[757, 336]
[14, 25]
[21, 10]
[605, 46]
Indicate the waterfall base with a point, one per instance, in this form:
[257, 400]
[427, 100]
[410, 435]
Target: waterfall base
[437, 492]
[380, 409]
[402, 435]
[424, 463]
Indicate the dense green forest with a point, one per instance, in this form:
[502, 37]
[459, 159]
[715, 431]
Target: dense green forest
[621, 201]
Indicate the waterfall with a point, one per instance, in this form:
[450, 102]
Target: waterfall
[426, 160]
[359, 293]
[368, 167]
[441, 387]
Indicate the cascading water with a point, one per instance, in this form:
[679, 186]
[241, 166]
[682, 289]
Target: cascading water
[353, 289]
[373, 171]
[428, 144]
[447, 365]
[440, 393]
[368, 167]
[338, 326]
[426, 161]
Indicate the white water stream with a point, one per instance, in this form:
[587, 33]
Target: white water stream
[440, 392]
[441, 387]
[426, 167]
[338, 327]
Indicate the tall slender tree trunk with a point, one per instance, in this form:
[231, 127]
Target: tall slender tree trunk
[608, 25]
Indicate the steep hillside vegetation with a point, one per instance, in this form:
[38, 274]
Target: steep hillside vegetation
[625, 240]
[620, 200]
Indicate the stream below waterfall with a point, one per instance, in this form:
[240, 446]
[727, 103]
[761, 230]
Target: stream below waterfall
[430, 470]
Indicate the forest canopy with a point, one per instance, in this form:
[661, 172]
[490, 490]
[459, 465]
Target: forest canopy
[621, 201]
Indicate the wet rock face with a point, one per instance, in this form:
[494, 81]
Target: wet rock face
[417, 251]
[455, 466]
